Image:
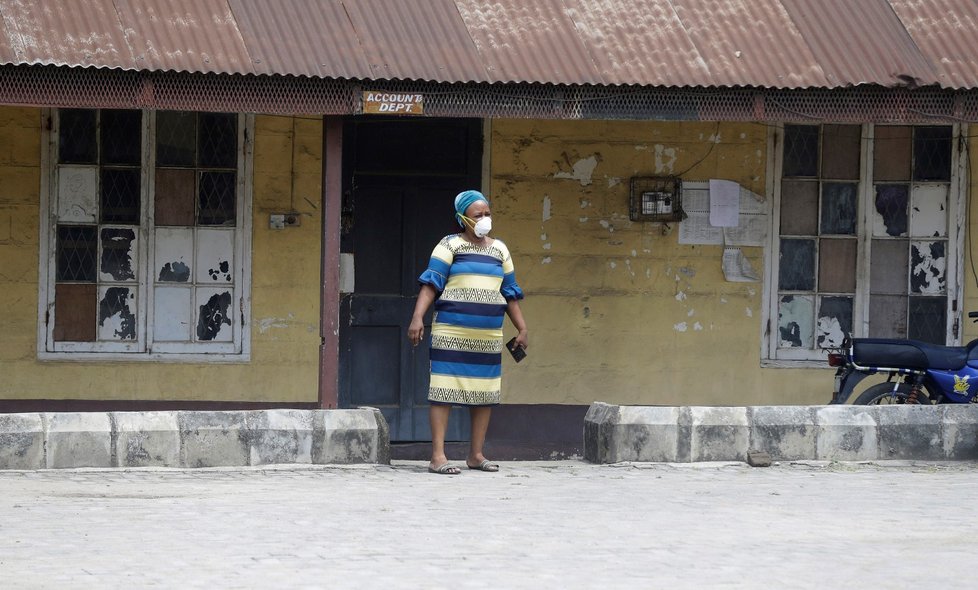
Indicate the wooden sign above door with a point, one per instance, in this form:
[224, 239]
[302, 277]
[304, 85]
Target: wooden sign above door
[392, 103]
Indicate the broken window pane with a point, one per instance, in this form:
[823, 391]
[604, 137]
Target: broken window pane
[839, 208]
[891, 153]
[217, 198]
[174, 254]
[796, 321]
[118, 254]
[218, 140]
[214, 315]
[122, 137]
[840, 151]
[117, 313]
[928, 319]
[837, 266]
[215, 256]
[888, 316]
[927, 267]
[834, 321]
[932, 153]
[77, 251]
[800, 150]
[890, 217]
[176, 138]
[120, 195]
[928, 211]
[172, 313]
[74, 313]
[77, 142]
[888, 267]
[799, 208]
[797, 265]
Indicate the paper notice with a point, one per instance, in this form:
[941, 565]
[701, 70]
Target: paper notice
[736, 267]
[724, 203]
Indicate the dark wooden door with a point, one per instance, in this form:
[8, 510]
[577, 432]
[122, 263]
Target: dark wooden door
[400, 180]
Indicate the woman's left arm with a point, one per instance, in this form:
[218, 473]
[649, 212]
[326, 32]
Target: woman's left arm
[516, 316]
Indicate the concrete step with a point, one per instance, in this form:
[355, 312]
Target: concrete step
[614, 433]
[192, 438]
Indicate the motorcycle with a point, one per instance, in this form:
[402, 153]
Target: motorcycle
[916, 372]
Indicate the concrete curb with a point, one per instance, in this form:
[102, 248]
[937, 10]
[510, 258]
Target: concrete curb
[192, 439]
[613, 434]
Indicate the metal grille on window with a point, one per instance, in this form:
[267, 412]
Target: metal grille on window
[818, 246]
[196, 213]
[908, 283]
[98, 205]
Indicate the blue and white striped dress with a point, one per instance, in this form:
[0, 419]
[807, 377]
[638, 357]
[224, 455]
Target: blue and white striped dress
[474, 284]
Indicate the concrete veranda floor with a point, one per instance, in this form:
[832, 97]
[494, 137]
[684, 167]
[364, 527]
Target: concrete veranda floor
[565, 524]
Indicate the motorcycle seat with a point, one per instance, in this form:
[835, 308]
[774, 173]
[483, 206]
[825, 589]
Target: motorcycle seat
[911, 354]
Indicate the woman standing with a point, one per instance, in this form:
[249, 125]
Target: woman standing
[471, 280]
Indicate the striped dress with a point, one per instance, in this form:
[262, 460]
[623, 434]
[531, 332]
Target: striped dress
[474, 284]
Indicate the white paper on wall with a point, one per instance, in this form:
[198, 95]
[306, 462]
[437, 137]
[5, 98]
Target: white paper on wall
[724, 203]
[752, 219]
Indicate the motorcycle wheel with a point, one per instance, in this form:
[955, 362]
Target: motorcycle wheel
[882, 394]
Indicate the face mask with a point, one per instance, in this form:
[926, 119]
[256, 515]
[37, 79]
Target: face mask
[483, 227]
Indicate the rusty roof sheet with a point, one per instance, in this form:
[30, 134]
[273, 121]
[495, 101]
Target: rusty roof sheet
[947, 32]
[671, 43]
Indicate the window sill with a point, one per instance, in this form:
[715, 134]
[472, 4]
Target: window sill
[794, 364]
[103, 357]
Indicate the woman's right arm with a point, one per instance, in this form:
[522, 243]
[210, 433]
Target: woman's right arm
[416, 329]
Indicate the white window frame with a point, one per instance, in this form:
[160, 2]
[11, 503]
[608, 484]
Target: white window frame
[144, 348]
[771, 354]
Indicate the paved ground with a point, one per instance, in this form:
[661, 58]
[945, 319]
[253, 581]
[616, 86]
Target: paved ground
[553, 525]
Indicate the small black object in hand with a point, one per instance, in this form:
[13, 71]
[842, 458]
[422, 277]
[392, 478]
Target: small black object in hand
[518, 352]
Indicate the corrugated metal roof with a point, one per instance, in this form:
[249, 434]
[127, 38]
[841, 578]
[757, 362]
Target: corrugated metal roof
[670, 43]
[947, 31]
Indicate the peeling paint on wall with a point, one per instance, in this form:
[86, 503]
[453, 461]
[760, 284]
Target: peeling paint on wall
[680, 327]
[546, 209]
[665, 159]
[266, 324]
[583, 170]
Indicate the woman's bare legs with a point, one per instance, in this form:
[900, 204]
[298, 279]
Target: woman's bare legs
[438, 416]
[480, 425]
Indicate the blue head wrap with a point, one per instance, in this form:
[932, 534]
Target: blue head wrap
[464, 200]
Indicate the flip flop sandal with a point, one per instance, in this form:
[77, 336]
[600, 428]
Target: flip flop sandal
[486, 465]
[444, 469]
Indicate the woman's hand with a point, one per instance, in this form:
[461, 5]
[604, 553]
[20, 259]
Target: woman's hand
[522, 339]
[416, 331]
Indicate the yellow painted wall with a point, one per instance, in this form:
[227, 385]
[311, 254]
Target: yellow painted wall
[285, 276]
[619, 311]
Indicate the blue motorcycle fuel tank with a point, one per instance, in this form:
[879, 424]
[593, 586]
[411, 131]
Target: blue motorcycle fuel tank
[959, 386]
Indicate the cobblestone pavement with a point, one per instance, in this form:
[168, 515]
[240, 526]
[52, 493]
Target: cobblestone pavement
[562, 524]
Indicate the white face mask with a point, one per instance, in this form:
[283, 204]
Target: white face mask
[483, 227]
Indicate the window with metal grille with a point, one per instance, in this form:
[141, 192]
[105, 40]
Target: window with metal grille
[146, 240]
[865, 238]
